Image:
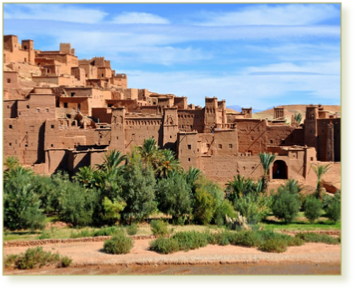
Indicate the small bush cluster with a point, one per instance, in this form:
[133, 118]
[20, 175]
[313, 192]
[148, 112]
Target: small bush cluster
[159, 227]
[118, 244]
[44, 235]
[36, 257]
[313, 208]
[132, 229]
[318, 238]
[104, 231]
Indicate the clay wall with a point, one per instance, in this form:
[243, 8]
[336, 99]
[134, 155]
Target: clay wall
[79, 74]
[143, 94]
[310, 126]
[170, 128]
[130, 105]
[103, 114]
[247, 112]
[23, 138]
[119, 80]
[104, 72]
[137, 129]
[14, 52]
[39, 106]
[56, 80]
[188, 151]
[181, 103]
[189, 120]
[328, 139]
[278, 113]
[50, 70]
[130, 94]
[67, 60]
[218, 143]
[211, 107]
[91, 72]
[56, 159]
[10, 109]
[11, 79]
[65, 48]
[76, 103]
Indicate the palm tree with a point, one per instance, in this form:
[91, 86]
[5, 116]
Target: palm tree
[17, 172]
[292, 186]
[266, 161]
[239, 187]
[320, 170]
[11, 162]
[149, 151]
[85, 175]
[298, 118]
[192, 175]
[112, 161]
[167, 163]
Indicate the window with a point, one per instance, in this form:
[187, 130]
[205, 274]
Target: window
[65, 105]
[27, 106]
[311, 159]
[220, 146]
[230, 146]
[26, 145]
[283, 142]
[72, 94]
[10, 126]
[37, 110]
[47, 110]
[189, 147]
[52, 126]
[189, 159]
[170, 137]
[8, 81]
[51, 145]
[10, 144]
[25, 47]
[271, 141]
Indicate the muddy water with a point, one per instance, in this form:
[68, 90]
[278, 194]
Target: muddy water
[228, 269]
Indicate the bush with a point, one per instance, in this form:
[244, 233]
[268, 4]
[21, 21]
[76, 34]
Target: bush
[285, 205]
[253, 207]
[132, 229]
[118, 244]
[247, 239]
[203, 206]
[45, 235]
[36, 257]
[224, 208]
[66, 262]
[164, 245]
[81, 234]
[317, 238]
[159, 227]
[313, 208]
[191, 240]
[21, 203]
[274, 245]
[106, 231]
[333, 211]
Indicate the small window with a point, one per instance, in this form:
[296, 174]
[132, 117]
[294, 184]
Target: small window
[51, 145]
[170, 137]
[37, 110]
[252, 138]
[25, 47]
[65, 105]
[271, 141]
[189, 159]
[283, 142]
[311, 159]
[52, 126]
[72, 94]
[253, 167]
[26, 145]
[27, 106]
[10, 126]
[10, 144]
[220, 146]
[8, 81]
[100, 136]
[189, 147]
[230, 146]
[47, 110]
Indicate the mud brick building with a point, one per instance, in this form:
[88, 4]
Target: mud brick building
[63, 113]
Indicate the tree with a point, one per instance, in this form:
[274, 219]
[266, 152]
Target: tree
[292, 186]
[204, 206]
[313, 208]
[320, 170]
[191, 176]
[149, 152]
[298, 118]
[285, 205]
[167, 163]
[266, 161]
[174, 196]
[112, 161]
[11, 163]
[239, 187]
[21, 204]
[138, 189]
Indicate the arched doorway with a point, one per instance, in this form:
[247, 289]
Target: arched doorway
[280, 170]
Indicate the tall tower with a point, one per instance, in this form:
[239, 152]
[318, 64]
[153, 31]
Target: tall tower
[27, 45]
[118, 129]
[210, 113]
[310, 127]
[170, 128]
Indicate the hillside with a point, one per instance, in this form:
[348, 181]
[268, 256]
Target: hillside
[290, 110]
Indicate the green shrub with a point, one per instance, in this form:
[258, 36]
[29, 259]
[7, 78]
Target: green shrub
[36, 257]
[333, 211]
[81, 234]
[313, 208]
[317, 238]
[222, 238]
[45, 235]
[285, 205]
[224, 208]
[191, 240]
[66, 262]
[118, 244]
[106, 231]
[132, 229]
[203, 206]
[247, 239]
[274, 245]
[164, 245]
[159, 227]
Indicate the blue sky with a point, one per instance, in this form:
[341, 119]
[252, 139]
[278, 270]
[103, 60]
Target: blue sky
[258, 55]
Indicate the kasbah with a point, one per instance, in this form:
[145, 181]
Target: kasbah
[62, 113]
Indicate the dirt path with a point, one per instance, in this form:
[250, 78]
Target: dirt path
[89, 256]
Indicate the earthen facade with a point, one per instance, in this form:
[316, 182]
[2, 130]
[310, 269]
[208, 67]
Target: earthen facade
[79, 109]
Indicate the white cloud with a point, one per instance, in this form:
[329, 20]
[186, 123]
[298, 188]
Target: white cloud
[139, 18]
[294, 14]
[56, 12]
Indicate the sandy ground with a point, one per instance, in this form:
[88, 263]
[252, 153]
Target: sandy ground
[89, 258]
